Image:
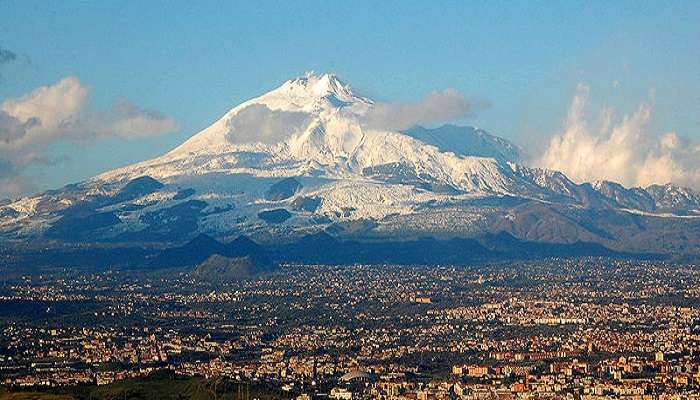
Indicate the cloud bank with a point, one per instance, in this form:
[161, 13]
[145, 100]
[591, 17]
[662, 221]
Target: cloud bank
[31, 123]
[621, 150]
[258, 123]
[445, 106]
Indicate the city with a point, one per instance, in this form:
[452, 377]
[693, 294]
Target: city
[558, 328]
[349, 200]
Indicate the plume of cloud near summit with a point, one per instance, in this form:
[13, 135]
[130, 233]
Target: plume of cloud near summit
[621, 150]
[448, 105]
[257, 123]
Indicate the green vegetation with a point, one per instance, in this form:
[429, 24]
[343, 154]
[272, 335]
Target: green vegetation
[157, 386]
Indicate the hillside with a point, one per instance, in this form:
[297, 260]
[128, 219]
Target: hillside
[303, 158]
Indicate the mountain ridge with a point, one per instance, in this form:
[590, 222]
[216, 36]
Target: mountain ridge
[301, 158]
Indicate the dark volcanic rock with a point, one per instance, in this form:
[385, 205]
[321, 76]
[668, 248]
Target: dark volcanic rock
[241, 246]
[81, 226]
[85, 221]
[136, 188]
[218, 268]
[183, 194]
[283, 189]
[276, 216]
[307, 204]
[169, 224]
[191, 253]
[202, 247]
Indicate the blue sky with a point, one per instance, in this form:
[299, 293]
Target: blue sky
[192, 61]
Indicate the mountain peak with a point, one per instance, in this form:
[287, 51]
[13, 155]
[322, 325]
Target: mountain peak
[319, 85]
[315, 87]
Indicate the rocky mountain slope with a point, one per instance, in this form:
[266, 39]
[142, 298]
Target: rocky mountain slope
[302, 159]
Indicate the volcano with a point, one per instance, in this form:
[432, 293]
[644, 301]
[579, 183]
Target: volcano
[303, 158]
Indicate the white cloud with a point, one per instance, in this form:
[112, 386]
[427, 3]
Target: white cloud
[258, 123]
[62, 111]
[53, 110]
[448, 105]
[31, 123]
[621, 150]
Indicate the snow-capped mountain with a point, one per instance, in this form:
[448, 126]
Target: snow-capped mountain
[302, 158]
[467, 141]
[313, 126]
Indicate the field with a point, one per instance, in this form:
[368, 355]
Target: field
[158, 386]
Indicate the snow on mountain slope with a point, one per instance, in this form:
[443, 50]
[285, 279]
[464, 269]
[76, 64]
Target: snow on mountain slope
[308, 142]
[304, 103]
[467, 141]
[314, 126]
[674, 199]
